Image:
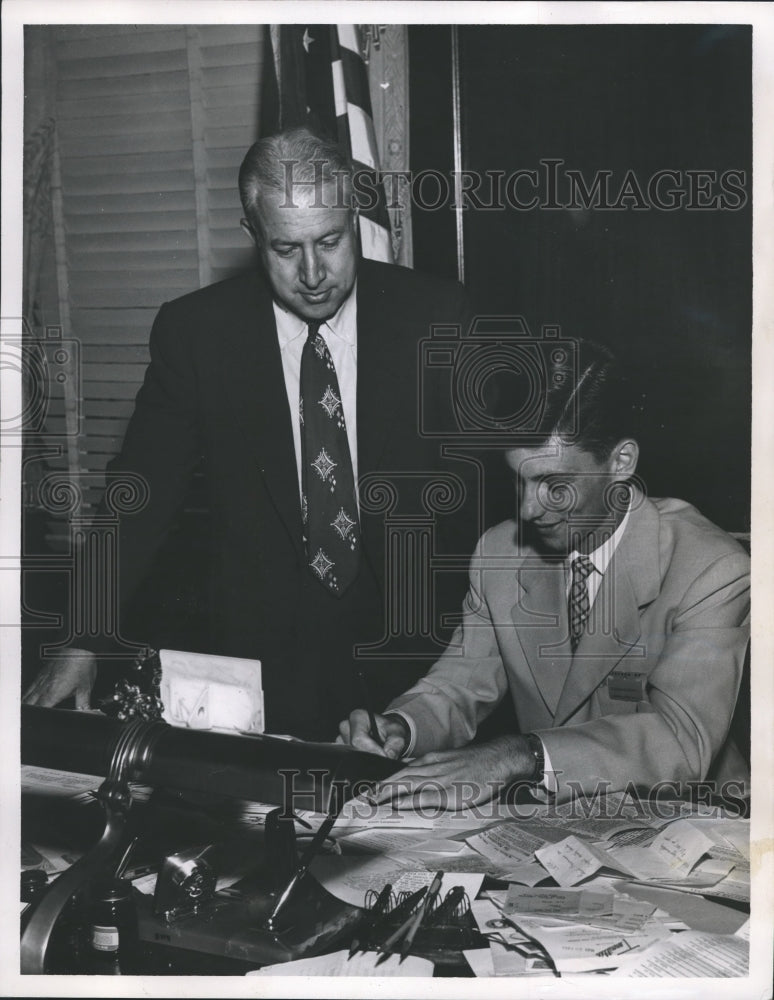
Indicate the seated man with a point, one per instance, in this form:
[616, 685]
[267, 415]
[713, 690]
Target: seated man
[616, 623]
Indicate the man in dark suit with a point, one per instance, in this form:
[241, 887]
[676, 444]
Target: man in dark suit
[616, 623]
[224, 385]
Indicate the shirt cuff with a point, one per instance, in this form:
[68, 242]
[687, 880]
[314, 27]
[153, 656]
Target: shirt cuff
[409, 749]
[549, 778]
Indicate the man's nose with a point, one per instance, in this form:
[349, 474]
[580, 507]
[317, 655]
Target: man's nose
[312, 271]
[530, 507]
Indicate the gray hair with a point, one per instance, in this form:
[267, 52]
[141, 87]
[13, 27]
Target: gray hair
[295, 156]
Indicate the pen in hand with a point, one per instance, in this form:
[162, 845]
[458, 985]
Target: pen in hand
[373, 729]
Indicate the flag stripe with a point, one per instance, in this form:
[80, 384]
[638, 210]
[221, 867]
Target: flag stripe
[375, 241]
[347, 35]
[339, 88]
[361, 131]
[356, 80]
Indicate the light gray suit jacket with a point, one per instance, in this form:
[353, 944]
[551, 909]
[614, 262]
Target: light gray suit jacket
[668, 630]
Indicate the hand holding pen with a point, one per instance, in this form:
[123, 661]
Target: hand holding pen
[365, 729]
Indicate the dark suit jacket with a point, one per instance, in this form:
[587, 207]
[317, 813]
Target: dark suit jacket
[215, 391]
[671, 618]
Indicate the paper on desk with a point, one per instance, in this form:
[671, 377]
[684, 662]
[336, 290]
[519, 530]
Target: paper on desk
[596, 906]
[596, 827]
[526, 873]
[692, 953]
[673, 855]
[493, 923]
[50, 859]
[744, 931]
[350, 877]
[693, 911]
[381, 841]
[500, 960]
[737, 833]
[359, 813]
[575, 947]
[735, 885]
[730, 839]
[559, 902]
[468, 861]
[50, 781]
[507, 842]
[339, 964]
[440, 845]
[681, 845]
[480, 961]
[573, 860]
[507, 961]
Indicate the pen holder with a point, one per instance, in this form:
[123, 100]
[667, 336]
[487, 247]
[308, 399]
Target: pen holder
[447, 929]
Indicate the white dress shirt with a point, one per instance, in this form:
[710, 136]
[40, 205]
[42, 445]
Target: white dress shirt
[599, 559]
[340, 334]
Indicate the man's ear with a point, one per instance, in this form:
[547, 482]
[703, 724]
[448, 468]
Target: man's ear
[252, 235]
[624, 458]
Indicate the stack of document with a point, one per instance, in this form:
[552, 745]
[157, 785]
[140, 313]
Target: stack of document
[595, 930]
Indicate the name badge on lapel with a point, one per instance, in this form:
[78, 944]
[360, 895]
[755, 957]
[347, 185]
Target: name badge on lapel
[626, 686]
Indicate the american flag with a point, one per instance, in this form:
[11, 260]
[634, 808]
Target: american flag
[315, 75]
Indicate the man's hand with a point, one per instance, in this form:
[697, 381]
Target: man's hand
[455, 779]
[73, 672]
[393, 732]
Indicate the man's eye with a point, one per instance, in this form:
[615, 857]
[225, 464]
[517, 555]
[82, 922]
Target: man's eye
[557, 493]
[329, 244]
[284, 251]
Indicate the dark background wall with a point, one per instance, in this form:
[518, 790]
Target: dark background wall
[669, 290]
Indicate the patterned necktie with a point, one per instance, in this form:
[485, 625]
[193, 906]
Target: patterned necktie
[579, 605]
[329, 507]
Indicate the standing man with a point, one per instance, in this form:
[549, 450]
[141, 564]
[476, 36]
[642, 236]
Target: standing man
[293, 384]
[616, 623]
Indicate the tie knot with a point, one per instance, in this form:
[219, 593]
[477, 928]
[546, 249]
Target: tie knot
[312, 329]
[582, 566]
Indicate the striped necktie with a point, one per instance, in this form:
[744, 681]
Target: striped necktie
[329, 506]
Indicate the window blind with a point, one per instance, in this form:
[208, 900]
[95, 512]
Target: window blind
[152, 124]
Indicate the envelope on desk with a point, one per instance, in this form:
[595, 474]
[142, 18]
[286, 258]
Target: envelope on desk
[220, 693]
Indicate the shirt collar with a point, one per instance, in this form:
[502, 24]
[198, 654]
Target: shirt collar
[343, 324]
[602, 554]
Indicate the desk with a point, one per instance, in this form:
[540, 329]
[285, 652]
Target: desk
[170, 821]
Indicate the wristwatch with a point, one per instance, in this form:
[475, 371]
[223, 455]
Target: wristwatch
[535, 745]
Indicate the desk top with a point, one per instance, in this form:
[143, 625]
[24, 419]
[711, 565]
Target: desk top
[547, 891]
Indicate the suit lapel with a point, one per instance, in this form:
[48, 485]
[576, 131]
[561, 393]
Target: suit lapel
[255, 383]
[540, 616]
[631, 582]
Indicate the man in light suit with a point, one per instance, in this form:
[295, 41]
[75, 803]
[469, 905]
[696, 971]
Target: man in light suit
[223, 386]
[615, 622]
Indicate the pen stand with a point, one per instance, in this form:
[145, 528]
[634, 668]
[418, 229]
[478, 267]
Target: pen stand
[234, 921]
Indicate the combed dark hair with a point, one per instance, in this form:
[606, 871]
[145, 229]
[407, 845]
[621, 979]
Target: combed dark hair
[596, 408]
[295, 155]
